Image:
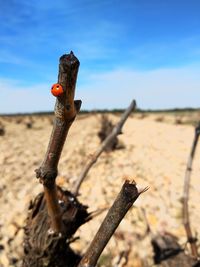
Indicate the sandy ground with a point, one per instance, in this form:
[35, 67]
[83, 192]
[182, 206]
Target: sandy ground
[155, 155]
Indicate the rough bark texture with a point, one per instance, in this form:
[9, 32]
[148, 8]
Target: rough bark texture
[186, 215]
[65, 112]
[42, 247]
[116, 213]
[55, 215]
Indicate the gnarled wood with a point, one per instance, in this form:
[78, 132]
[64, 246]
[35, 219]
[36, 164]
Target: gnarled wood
[42, 246]
[55, 215]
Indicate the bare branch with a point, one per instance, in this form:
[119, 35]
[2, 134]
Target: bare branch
[65, 112]
[97, 212]
[186, 219]
[148, 227]
[127, 196]
[124, 255]
[116, 131]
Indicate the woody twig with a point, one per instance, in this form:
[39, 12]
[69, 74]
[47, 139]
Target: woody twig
[125, 199]
[186, 219]
[65, 112]
[116, 131]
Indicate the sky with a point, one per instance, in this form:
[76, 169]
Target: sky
[147, 50]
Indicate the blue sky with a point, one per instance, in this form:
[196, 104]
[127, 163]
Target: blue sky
[148, 50]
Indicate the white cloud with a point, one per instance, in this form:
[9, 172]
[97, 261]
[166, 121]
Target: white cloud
[162, 88]
[15, 97]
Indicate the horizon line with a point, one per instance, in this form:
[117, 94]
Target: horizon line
[113, 110]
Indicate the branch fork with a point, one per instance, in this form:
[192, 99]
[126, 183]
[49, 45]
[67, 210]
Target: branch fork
[55, 215]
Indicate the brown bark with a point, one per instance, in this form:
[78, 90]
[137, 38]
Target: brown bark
[116, 213]
[65, 112]
[186, 218]
[55, 215]
[42, 246]
[116, 131]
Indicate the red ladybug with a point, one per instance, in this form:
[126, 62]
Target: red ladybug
[57, 89]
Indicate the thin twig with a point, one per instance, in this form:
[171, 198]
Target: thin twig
[186, 219]
[97, 212]
[123, 255]
[127, 196]
[148, 227]
[116, 131]
[65, 112]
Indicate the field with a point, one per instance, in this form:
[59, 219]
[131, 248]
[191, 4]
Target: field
[156, 150]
